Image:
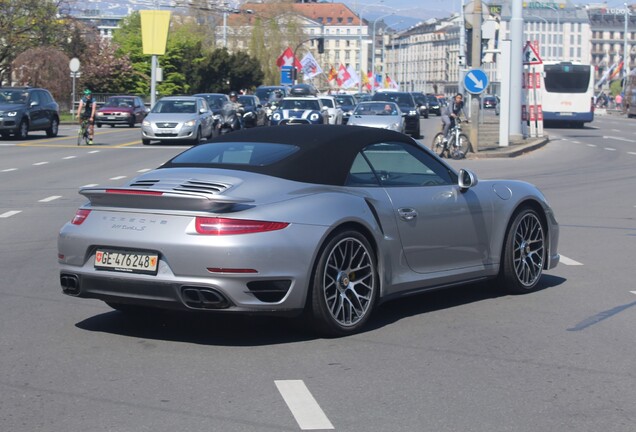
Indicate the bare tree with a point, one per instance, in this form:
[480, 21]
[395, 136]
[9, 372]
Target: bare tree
[44, 67]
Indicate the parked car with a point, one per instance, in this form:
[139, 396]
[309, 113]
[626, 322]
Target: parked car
[408, 107]
[347, 103]
[383, 115]
[434, 105]
[26, 109]
[121, 110]
[422, 103]
[254, 113]
[300, 110]
[178, 118]
[326, 220]
[333, 109]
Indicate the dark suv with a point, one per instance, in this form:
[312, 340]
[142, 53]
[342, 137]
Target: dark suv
[408, 107]
[24, 109]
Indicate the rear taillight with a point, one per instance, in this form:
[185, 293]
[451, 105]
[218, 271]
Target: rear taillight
[226, 226]
[80, 216]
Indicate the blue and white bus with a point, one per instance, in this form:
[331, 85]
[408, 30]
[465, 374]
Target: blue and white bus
[567, 93]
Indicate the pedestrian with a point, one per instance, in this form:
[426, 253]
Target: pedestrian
[619, 101]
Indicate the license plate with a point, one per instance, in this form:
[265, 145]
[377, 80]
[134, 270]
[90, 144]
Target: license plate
[566, 114]
[111, 117]
[127, 261]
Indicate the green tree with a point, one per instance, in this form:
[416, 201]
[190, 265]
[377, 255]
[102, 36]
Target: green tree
[27, 24]
[106, 71]
[45, 67]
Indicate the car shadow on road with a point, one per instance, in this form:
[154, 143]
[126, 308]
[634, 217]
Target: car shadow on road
[395, 310]
[252, 330]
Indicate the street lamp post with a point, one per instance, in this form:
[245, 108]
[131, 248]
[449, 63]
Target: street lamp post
[373, 47]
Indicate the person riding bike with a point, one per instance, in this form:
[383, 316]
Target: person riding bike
[451, 112]
[86, 111]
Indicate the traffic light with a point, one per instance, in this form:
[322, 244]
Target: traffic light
[321, 45]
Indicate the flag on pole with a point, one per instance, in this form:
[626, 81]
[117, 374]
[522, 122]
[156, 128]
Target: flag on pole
[310, 66]
[353, 80]
[343, 75]
[365, 81]
[389, 83]
[616, 71]
[287, 59]
[333, 74]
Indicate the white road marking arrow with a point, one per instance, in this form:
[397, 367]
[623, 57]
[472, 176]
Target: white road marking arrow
[478, 83]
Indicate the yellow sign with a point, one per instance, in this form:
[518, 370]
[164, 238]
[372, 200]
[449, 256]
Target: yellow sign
[154, 31]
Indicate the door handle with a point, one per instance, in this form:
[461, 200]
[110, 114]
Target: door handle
[407, 214]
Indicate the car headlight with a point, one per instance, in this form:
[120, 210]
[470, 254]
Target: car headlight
[145, 123]
[126, 114]
[412, 112]
[314, 116]
[12, 113]
[276, 116]
[99, 114]
[190, 123]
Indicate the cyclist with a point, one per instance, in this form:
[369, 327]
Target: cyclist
[451, 112]
[86, 111]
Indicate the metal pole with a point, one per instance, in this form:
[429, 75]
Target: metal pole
[504, 108]
[476, 64]
[153, 80]
[516, 68]
[626, 53]
[224, 29]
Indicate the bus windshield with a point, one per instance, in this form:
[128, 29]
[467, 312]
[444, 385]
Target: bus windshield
[567, 78]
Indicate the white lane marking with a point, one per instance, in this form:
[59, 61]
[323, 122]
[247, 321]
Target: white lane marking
[618, 139]
[302, 404]
[70, 157]
[569, 261]
[633, 292]
[51, 198]
[10, 213]
[94, 151]
[576, 142]
[90, 185]
[9, 169]
[117, 178]
[632, 153]
[144, 170]
[40, 163]
[610, 149]
[591, 145]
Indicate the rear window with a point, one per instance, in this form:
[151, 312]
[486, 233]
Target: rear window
[566, 78]
[234, 153]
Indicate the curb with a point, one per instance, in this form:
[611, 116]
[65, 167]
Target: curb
[513, 150]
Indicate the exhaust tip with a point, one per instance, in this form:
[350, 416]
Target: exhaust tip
[70, 284]
[203, 298]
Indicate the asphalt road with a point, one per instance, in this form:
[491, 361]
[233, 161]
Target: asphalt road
[463, 359]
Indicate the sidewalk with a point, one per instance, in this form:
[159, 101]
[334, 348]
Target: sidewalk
[489, 140]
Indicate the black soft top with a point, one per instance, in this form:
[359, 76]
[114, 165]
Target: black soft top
[325, 152]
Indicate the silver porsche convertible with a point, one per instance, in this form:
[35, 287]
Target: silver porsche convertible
[326, 220]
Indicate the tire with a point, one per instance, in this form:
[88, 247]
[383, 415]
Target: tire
[197, 138]
[80, 135]
[99, 125]
[438, 144]
[344, 285]
[524, 253]
[23, 130]
[54, 128]
[418, 131]
[145, 141]
[132, 123]
[459, 151]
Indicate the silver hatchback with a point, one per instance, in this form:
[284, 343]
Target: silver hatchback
[178, 118]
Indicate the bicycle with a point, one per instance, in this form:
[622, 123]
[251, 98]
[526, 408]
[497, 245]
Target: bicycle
[82, 133]
[457, 144]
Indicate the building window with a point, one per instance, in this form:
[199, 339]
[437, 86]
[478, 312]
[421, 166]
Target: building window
[339, 19]
[349, 20]
[329, 19]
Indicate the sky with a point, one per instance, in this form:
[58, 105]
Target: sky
[424, 9]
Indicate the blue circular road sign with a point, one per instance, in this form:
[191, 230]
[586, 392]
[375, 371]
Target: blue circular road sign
[475, 81]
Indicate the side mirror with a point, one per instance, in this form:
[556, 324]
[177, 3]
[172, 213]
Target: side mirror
[467, 179]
